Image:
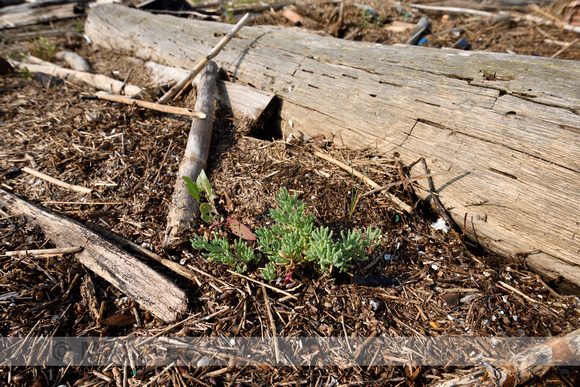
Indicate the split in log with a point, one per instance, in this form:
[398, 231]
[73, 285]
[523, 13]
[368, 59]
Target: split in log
[151, 290]
[512, 121]
[184, 211]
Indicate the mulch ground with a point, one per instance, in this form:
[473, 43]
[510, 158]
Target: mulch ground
[129, 157]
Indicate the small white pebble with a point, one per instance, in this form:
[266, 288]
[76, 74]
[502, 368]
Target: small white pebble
[441, 225]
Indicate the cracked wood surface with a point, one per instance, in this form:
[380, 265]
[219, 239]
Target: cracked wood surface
[512, 121]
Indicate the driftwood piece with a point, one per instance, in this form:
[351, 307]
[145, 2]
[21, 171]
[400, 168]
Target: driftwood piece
[151, 290]
[510, 120]
[244, 102]
[31, 13]
[184, 211]
[98, 81]
[75, 61]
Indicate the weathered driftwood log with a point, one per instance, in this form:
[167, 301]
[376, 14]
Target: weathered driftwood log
[151, 290]
[33, 13]
[184, 211]
[512, 121]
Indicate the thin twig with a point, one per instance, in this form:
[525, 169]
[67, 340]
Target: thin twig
[368, 181]
[539, 10]
[176, 90]
[567, 46]
[54, 181]
[272, 325]
[516, 291]
[441, 208]
[263, 284]
[435, 199]
[451, 9]
[192, 320]
[162, 162]
[84, 203]
[44, 252]
[150, 105]
[214, 278]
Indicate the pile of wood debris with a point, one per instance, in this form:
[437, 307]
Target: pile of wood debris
[113, 168]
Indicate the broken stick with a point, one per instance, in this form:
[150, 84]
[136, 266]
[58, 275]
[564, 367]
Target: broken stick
[184, 211]
[175, 91]
[54, 181]
[151, 290]
[150, 105]
[45, 252]
[404, 206]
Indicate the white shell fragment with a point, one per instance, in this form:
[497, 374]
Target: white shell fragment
[441, 225]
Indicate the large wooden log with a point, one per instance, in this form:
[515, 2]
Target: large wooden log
[512, 121]
[149, 289]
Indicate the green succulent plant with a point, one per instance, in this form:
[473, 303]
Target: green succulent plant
[292, 240]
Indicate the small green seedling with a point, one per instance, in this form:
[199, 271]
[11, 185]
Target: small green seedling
[26, 73]
[202, 184]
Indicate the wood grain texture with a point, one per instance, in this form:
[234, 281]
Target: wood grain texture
[151, 290]
[512, 121]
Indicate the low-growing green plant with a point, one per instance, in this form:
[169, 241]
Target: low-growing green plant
[292, 241]
[219, 249]
[269, 272]
[43, 48]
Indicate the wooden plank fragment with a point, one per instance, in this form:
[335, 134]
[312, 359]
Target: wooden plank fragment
[184, 210]
[511, 121]
[151, 290]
